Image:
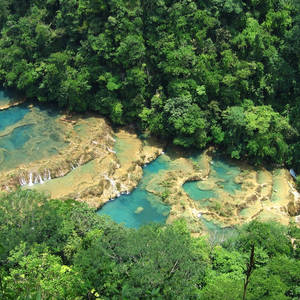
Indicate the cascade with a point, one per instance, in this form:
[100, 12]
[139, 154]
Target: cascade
[41, 180]
[22, 181]
[47, 175]
[125, 189]
[111, 151]
[35, 178]
[113, 184]
[30, 183]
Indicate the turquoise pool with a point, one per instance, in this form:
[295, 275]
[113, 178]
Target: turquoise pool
[140, 207]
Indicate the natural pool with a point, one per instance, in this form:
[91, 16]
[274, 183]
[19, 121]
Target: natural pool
[67, 185]
[222, 177]
[28, 134]
[196, 193]
[12, 116]
[140, 207]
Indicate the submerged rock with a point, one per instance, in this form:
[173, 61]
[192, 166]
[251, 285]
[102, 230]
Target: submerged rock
[87, 168]
[252, 198]
[97, 164]
[139, 210]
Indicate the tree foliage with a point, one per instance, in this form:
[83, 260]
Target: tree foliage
[63, 250]
[163, 65]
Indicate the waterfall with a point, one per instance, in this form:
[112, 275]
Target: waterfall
[41, 180]
[22, 181]
[35, 178]
[47, 175]
[111, 151]
[75, 165]
[125, 189]
[30, 183]
[113, 184]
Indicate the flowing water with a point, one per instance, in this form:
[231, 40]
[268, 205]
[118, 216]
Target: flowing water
[67, 185]
[140, 207]
[30, 133]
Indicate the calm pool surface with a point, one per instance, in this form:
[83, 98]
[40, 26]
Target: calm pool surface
[140, 207]
[28, 134]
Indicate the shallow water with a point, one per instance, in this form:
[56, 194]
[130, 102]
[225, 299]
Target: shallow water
[61, 186]
[225, 174]
[222, 177]
[127, 148]
[193, 190]
[28, 134]
[12, 116]
[140, 207]
[217, 231]
[278, 188]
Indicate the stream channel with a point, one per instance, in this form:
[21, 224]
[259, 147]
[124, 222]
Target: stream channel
[29, 133]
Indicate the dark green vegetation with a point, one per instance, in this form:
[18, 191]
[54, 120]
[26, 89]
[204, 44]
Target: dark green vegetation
[219, 72]
[62, 250]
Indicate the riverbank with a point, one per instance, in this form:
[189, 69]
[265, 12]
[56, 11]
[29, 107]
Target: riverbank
[105, 176]
[6, 101]
[92, 163]
[85, 167]
[10, 103]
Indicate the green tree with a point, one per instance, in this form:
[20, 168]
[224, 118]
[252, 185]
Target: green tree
[41, 275]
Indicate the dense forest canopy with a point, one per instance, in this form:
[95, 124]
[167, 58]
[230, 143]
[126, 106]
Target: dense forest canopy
[197, 72]
[50, 249]
[219, 72]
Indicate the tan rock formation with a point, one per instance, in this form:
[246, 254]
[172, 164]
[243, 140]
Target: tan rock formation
[97, 164]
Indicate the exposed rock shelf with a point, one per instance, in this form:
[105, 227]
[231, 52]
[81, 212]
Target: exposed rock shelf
[97, 164]
[263, 194]
[88, 169]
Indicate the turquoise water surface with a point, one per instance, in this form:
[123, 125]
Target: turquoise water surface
[192, 189]
[13, 115]
[142, 207]
[28, 134]
[125, 209]
[16, 139]
[32, 133]
[223, 173]
[226, 173]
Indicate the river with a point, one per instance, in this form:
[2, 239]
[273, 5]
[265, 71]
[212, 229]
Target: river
[64, 157]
